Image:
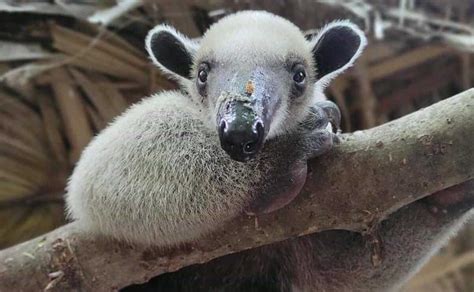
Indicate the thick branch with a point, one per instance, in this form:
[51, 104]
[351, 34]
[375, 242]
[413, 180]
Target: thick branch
[368, 176]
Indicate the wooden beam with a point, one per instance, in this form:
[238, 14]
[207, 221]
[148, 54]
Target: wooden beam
[406, 60]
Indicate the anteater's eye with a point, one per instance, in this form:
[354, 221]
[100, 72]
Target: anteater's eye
[202, 76]
[203, 73]
[299, 76]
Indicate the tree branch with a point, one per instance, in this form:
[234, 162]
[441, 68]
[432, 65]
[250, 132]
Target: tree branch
[368, 176]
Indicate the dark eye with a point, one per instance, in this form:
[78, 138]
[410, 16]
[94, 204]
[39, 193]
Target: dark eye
[299, 76]
[299, 80]
[202, 76]
[203, 73]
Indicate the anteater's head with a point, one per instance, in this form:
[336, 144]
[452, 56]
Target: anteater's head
[255, 73]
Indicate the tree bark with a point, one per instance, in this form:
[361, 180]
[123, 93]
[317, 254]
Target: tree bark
[368, 176]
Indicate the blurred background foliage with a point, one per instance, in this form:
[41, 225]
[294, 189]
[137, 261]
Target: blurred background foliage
[67, 68]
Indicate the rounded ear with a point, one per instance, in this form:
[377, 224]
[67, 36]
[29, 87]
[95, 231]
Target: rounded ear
[171, 51]
[335, 48]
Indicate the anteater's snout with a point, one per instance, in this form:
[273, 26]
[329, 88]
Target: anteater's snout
[242, 140]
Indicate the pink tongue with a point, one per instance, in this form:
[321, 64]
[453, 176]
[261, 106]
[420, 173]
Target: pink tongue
[296, 178]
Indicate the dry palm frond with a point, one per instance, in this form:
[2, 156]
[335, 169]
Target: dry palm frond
[50, 108]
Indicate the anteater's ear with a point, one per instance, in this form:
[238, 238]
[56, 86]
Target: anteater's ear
[171, 51]
[335, 48]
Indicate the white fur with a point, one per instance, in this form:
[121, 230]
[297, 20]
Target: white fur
[253, 37]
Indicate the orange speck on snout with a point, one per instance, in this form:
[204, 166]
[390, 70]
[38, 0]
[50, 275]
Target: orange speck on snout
[249, 87]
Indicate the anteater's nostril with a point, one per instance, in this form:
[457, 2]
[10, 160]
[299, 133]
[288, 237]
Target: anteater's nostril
[250, 147]
[256, 140]
[260, 129]
[223, 126]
